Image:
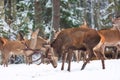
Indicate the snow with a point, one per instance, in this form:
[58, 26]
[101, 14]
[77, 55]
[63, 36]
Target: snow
[107, 7]
[48, 4]
[93, 71]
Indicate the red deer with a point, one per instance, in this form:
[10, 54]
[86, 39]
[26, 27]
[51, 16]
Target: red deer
[109, 37]
[17, 48]
[47, 54]
[39, 43]
[79, 54]
[45, 51]
[75, 39]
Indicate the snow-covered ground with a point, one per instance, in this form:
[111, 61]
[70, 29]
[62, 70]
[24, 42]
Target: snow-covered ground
[93, 71]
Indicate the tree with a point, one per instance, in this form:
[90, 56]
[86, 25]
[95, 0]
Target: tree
[2, 16]
[23, 15]
[55, 17]
[97, 15]
[56, 14]
[8, 17]
[117, 7]
[38, 11]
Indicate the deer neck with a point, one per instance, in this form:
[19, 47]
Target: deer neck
[33, 43]
[33, 40]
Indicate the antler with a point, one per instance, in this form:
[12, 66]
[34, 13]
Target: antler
[44, 56]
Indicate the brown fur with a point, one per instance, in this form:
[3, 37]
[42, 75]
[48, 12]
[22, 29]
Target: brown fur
[17, 48]
[109, 37]
[75, 39]
[41, 46]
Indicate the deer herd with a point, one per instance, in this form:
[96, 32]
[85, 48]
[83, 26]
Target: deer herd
[82, 43]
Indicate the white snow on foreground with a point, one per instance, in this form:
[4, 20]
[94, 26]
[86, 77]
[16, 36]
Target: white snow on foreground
[93, 71]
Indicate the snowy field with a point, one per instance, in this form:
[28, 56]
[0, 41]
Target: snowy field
[92, 71]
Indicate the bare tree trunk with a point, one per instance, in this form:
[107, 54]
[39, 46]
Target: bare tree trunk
[38, 18]
[117, 7]
[82, 3]
[92, 14]
[85, 10]
[13, 9]
[55, 16]
[97, 15]
[2, 16]
[8, 17]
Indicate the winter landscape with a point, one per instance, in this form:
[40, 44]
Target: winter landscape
[19, 18]
[93, 71]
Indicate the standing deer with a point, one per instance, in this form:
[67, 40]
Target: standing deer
[24, 48]
[109, 37]
[17, 48]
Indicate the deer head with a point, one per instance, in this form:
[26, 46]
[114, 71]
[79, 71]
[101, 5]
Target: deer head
[49, 56]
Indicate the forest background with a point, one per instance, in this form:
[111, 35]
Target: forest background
[49, 15]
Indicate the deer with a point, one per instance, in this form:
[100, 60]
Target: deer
[75, 39]
[17, 48]
[109, 37]
[46, 51]
[23, 48]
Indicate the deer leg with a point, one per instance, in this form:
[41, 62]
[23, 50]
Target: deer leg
[113, 55]
[90, 55]
[30, 59]
[85, 56]
[103, 63]
[6, 59]
[100, 55]
[63, 60]
[79, 55]
[87, 61]
[116, 53]
[83, 66]
[103, 49]
[76, 55]
[3, 59]
[70, 57]
[27, 60]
